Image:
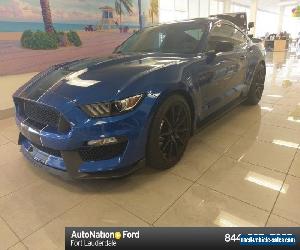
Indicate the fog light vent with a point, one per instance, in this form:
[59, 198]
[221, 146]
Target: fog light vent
[104, 141]
[109, 150]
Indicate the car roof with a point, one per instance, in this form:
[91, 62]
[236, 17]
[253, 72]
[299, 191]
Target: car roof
[205, 21]
[200, 20]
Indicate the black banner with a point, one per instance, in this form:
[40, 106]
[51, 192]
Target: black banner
[181, 238]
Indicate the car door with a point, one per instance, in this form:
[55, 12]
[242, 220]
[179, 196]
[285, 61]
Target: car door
[222, 69]
[236, 83]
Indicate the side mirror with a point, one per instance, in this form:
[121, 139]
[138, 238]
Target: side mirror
[250, 25]
[223, 46]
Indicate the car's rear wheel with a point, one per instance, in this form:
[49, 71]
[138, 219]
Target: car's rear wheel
[257, 86]
[169, 133]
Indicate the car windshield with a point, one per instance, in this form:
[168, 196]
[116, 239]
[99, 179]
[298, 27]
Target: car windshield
[169, 38]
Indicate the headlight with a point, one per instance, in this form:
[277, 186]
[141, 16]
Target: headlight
[112, 108]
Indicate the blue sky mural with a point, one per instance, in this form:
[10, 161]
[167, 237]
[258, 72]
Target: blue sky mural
[66, 11]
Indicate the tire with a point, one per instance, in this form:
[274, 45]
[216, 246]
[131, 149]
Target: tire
[257, 86]
[169, 133]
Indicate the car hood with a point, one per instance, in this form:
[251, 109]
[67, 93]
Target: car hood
[93, 80]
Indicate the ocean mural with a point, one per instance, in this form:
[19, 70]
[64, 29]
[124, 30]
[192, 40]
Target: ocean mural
[20, 15]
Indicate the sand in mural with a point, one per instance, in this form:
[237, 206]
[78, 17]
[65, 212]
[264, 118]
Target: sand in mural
[105, 18]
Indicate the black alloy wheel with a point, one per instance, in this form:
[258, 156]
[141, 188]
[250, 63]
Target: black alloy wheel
[169, 133]
[257, 85]
[174, 131]
[259, 82]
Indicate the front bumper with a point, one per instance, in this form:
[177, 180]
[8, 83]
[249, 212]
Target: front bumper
[62, 152]
[38, 160]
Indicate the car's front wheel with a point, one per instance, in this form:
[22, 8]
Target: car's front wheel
[257, 85]
[169, 133]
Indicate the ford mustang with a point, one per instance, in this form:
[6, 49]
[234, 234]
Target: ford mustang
[105, 117]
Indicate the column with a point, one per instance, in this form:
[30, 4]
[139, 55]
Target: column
[253, 13]
[227, 6]
[280, 21]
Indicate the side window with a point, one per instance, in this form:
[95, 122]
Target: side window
[186, 41]
[225, 32]
[195, 33]
[220, 32]
[238, 37]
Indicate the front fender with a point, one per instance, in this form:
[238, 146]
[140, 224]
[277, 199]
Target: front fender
[254, 59]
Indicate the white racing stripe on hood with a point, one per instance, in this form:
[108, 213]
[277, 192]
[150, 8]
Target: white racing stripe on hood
[73, 79]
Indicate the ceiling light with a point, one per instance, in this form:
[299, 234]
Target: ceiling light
[266, 181]
[286, 144]
[293, 119]
[275, 96]
[267, 109]
[225, 219]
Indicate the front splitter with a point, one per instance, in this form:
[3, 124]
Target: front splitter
[73, 174]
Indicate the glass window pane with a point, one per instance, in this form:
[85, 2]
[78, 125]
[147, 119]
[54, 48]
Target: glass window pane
[213, 8]
[221, 7]
[184, 38]
[195, 33]
[181, 5]
[166, 4]
[166, 16]
[220, 32]
[291, 24]
[268, 22]
[204, 8]
[240, 8]
[238, 37]
[180, 15]
[193, 8]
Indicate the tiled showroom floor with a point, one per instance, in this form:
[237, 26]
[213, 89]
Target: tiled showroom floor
[242, 170]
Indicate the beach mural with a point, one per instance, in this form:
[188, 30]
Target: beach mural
[20, 15]
[84, 28]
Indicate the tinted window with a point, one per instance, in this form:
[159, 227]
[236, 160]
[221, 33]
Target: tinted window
[224, 32]
[173, 38]
[195, 33]
[238, 37]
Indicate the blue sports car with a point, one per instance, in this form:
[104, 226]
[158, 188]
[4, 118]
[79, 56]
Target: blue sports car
[105, 117]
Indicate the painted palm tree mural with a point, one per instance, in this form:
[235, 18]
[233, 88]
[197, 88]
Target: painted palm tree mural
[122, 7]
[46, 13]
[153, 11]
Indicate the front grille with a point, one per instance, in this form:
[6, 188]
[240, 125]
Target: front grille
[48, 150]
[102, 152]
[40, 115]
[34, 124]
